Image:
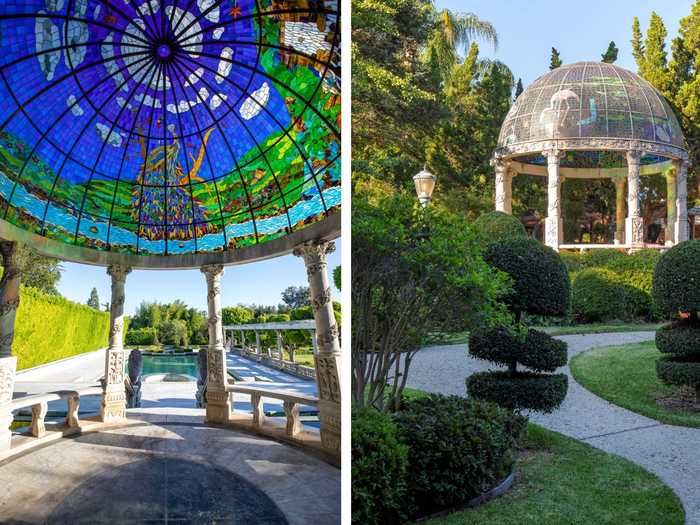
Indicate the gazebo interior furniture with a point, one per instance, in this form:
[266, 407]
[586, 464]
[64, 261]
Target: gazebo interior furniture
[168, 134]
[595, 120]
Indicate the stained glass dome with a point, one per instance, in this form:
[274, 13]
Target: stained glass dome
[595, 108]
[139, 130]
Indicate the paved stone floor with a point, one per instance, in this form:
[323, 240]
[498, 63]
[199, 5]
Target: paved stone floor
[671, 452]
[166, 466]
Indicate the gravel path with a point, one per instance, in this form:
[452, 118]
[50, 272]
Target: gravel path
[670, 452]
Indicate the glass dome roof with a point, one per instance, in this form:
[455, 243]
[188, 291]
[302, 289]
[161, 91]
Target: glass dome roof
[590, 100]
[169, 127]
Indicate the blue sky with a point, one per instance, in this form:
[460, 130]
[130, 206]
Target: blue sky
[528, 29]
[260, 283]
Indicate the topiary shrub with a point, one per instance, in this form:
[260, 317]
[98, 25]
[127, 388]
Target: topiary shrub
[540, 287]
[675, 289]
[540, 278]
[497, 226]
[379, 466]
[457, 449]
[600, 294]
[141, 336]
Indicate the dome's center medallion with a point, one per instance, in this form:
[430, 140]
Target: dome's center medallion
[164, 51]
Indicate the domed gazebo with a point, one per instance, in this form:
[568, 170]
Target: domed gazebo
[595, 120]
[166, 134]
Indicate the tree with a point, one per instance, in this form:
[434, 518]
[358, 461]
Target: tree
[173, 332]
[419, 277]
[637, 45]
[555, 59]
[540, 287]
[337, 279]
[237, 315]
[675, 292]
[654, 65]
[94, 300]
[296, 296]
[42, 273]
[610, 55]
[518, 89]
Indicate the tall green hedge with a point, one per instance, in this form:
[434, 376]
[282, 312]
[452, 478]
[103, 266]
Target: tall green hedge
[48, 328]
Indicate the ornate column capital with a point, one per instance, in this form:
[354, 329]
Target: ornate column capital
[634, 156]
[118, 272]
[553, 155]
[212, 271]
[314, 254]
[499, 163]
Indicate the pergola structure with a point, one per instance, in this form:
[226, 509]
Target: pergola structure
[163, 135]
[593, 120]
[277, 327]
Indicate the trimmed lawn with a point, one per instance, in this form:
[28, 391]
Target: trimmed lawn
[626, 376]
[560, 480]
[458, 338]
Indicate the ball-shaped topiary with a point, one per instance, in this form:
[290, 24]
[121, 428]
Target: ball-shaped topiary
[675, 289]
[540, 278]
[498, 226]
[676, 282]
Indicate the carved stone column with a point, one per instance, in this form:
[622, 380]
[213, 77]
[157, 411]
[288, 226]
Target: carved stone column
[619, 210]
[504, 181]
[328, 356]
[671, 210]
[113, 405]
[9, 301]
[553, 222]
[634, 226]
[681, 226]
[218, 401]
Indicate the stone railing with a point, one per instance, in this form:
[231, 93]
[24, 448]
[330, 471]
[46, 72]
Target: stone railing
[291, 430]
[272, 360]
[39, 404]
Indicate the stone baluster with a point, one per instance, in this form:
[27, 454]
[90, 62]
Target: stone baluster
[681, 225]
[9, 301]
[553, 222]
[258, 409]
[328, 355]
[38, 428]
[291, 411]
[218, 401]
[634, 226]
[619, 210]
[504, 182]
[113, 404]
[72, 419]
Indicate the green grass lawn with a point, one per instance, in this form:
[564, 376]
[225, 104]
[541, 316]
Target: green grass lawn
[563, 481]
[626, 376]
[560, 480]
[458, 338]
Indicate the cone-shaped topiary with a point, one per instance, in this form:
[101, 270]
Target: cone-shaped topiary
[497, 226]
[540, 286]
[676, 289]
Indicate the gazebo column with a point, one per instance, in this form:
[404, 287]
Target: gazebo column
[218, 401]
[9, 301]
[671, 209]
[681, 225]
[504, 184]
[619, 210]
[113, 405]
[553, 222]
[328, 357]
[634, 226]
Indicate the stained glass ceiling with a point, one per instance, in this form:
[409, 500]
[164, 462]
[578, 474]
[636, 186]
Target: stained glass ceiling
[169, 127]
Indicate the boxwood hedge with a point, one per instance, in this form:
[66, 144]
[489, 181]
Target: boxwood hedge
[497, 226]
[600, 294]
[679, 337]
[457, 449]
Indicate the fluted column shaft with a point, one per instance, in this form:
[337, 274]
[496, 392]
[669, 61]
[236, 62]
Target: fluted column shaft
[328, 356]
[671, 209]
[9, 301]
[504, 183]
[634, 226]
[619, 210]
[113, 405]
[218, 401]
[681, 225]
[553, 222]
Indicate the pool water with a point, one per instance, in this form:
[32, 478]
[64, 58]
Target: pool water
[183, 365]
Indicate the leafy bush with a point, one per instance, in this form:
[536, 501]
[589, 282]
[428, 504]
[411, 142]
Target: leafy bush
[379, 464]
[535, 350]
[457, 448]
[676, 277]
[679, 337]
[540, 278]
[49, 328]
[236, 315]
[497, 226]
[524, 390]
[679, 371]
[141, 336]
[337, 277]
[600, 294]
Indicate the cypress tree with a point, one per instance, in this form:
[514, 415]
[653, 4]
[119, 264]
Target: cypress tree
[555, 59]
[610, 55]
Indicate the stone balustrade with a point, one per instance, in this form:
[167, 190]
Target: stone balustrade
[296, 369]
[39, 406]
